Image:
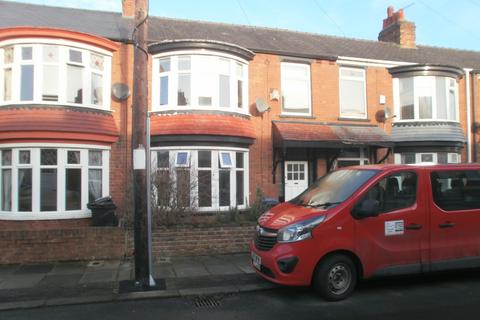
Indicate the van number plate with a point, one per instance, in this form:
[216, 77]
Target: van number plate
[256, 260]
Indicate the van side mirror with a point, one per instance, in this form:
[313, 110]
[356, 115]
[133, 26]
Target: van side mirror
[366, 208]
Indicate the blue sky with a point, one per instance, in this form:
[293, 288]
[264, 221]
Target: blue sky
[443, 23]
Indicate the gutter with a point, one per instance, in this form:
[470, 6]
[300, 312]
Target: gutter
[474, 94]
[469, 115]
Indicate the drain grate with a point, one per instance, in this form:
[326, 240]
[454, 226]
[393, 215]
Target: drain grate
[207, 301]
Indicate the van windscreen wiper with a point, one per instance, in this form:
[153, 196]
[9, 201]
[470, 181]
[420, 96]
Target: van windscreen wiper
[324, 204]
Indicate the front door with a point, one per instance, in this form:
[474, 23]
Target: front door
[296, 178]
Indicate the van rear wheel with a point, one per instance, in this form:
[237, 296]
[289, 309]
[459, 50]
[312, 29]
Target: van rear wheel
[335, 277]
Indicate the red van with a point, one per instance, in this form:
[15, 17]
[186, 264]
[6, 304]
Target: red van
[367, 221]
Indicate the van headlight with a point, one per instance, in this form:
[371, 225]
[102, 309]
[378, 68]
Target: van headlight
[299, 231]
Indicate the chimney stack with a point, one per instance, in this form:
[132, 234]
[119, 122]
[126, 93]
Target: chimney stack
[397, 30]
[128, 8]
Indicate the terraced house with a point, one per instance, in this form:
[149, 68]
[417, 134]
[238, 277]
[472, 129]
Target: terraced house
[233, 109]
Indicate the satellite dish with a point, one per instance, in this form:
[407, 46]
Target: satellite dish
[381, 116]
[388, 112]
[261, 105]
[120, 91]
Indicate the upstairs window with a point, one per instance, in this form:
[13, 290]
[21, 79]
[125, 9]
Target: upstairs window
[54, 73]
[426, 98]
[201, 82]
[295, 84]
[352, 93]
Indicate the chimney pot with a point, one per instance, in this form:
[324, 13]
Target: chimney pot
[390, 11]
[398, 30]
[128, 8]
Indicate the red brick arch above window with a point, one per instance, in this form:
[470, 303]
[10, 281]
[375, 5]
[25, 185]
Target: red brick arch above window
[56, 124]
[54, 33]
[202, 124]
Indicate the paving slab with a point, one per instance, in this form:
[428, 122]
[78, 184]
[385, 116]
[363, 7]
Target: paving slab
[6, 270]
[34, 268]
[20, 281]
[68, 268]
[60, 280]
[163, 271]
[99, 276]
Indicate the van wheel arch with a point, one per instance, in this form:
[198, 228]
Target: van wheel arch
[356, 260]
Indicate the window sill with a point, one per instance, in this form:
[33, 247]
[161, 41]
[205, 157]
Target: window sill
[201, 111]
[29, 105]
[18, 216]
[297, 116]
[353, 119]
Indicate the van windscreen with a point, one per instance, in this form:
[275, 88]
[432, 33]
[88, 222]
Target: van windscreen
[333, 188]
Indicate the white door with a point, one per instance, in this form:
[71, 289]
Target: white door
[296, 178]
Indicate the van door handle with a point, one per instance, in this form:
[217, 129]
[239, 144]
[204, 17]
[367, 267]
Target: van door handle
[447, 225]
[414, 226]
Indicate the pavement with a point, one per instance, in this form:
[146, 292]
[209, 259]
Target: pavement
[78, 282]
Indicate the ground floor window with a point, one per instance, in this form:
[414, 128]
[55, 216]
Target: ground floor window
[352, 157]
[51, 182]
[427, 157]
[203, 179]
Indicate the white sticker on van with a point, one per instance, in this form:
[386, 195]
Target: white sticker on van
[394, 228]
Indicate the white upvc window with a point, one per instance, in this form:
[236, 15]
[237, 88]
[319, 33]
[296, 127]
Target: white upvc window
[353, 101]
[296, 89]
[426, 98]
[352, 157]
[54, 72]
[51, 181]
[199, 80]
[217, 179]
[427, 157]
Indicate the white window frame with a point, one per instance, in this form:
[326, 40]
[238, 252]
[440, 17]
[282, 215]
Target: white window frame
[284, 84]
[215, 172]
[451, 156]
[222, 161]
[61, 166]
[187, 162]
[196, 80]
[432, 80]
[358, 79]
[362, 158]
[38, 63]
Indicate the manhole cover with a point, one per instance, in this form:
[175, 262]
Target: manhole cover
[207, 301]
[97, 263]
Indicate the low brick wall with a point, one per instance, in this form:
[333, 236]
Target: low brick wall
[196, 240]
[57, 244]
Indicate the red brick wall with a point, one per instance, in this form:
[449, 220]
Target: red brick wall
[265, 75]
[182, 241]
[82, 243]
[120, 155]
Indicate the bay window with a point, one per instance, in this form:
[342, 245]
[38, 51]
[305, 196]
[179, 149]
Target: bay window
[51, 182]
[44, 71]
[203, 179]
[207, 81]
[423, 98]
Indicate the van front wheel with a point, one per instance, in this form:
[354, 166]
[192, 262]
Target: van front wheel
[335, 277]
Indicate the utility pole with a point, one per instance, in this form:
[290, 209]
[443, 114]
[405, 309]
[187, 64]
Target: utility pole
[139, 144]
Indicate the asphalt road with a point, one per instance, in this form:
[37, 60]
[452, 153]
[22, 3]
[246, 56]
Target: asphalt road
[451, 296]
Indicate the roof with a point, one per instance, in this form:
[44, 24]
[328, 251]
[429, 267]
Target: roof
[418, 133]
[45, 122]
[201, 124]
[258, 39]
[296, 134]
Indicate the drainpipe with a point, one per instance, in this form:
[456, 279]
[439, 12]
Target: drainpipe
[469, 116]
[474, 94]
